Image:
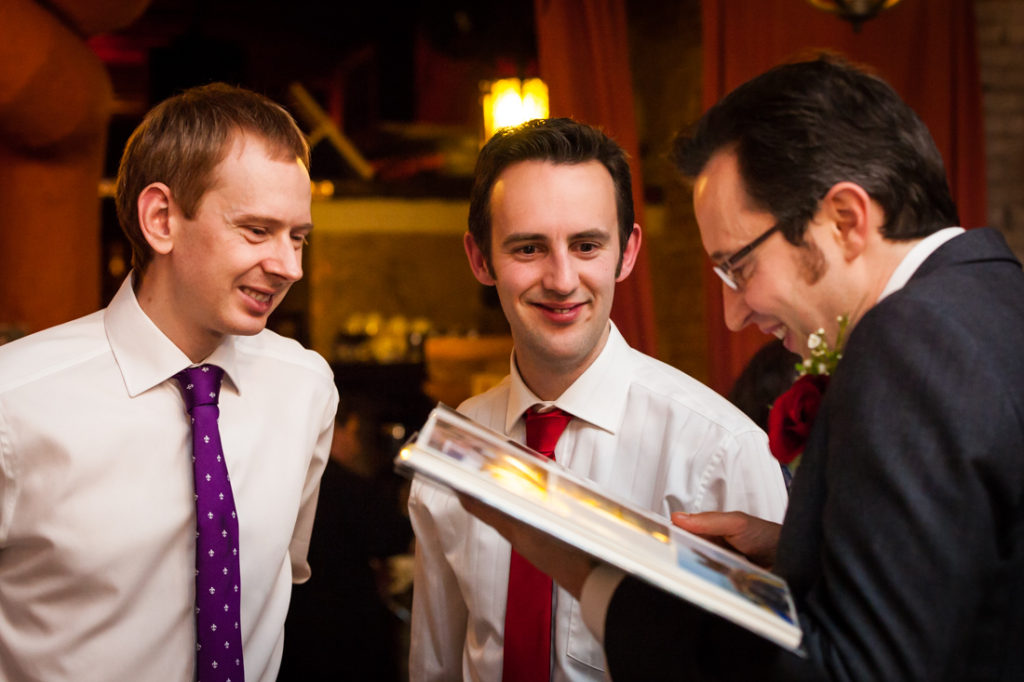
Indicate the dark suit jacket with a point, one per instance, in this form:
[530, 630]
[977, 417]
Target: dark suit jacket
[904, 539]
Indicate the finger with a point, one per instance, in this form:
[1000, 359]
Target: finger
[708, 523]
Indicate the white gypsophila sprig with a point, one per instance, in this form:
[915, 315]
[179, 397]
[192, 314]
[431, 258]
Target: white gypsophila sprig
[823, 357]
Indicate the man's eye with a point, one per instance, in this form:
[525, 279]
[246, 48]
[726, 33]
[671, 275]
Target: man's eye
[256, 231]
[741, 274]
[587, 247]
[300, 239]
[528, 249]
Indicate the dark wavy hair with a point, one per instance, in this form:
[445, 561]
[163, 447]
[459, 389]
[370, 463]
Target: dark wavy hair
[558, 140]
[800, 128]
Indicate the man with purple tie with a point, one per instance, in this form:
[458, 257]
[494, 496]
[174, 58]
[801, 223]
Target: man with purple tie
[160, 458]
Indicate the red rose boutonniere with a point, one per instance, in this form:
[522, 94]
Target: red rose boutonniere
[793, 412]
[792, 416]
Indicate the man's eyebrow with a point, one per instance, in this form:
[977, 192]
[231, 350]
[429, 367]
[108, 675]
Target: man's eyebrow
[518, 237]
[268, 221]
[719, 256]
[594, 235]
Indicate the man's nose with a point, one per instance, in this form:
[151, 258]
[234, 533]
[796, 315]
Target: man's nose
[560, 274]
[285, 260]
[734, 305]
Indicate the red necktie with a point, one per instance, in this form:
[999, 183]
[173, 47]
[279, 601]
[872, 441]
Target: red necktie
[527, 655]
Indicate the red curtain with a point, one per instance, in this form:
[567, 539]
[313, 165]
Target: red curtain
[924, 48]
[583, 56]
[55, 104]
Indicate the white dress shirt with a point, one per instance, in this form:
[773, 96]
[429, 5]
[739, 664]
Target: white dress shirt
[645, 432]
[916, 256]
[97, 513]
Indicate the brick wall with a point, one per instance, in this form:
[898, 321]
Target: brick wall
[1000, 26]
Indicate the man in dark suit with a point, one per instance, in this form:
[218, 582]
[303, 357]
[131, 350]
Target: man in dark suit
[819, 194]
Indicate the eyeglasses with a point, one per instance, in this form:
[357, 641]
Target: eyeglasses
[724, 269]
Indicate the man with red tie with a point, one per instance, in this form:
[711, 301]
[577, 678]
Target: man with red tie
[551, 227]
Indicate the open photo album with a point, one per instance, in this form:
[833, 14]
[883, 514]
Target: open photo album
[454, 451]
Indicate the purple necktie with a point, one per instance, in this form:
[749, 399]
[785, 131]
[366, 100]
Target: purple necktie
[218, 581]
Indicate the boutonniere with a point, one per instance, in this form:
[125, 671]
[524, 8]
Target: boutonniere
[792, 414]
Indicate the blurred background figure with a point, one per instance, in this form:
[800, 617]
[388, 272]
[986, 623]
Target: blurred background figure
[768, 374]
[345, 623]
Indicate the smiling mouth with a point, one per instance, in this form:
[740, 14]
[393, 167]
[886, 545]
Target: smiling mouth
[778, 331]
[257, 295]
[560, 309]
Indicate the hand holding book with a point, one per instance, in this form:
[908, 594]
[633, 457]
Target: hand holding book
[754, 538]
[560, 521]
[569, 567]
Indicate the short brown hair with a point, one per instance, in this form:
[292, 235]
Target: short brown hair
[181, 141]
[559, 141]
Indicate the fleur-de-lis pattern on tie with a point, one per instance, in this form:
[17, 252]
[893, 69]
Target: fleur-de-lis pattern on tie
[218, 579]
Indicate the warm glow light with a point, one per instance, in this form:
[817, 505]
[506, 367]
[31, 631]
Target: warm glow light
[535, 99]
[854, 11]
[510, 101]
[853, 6]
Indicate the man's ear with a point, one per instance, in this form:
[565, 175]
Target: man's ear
[629, 254]
[477, 261]
[155, 217]
[854, 213]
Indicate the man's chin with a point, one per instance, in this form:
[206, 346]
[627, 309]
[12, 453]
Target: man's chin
[794, 343]
[569, 358]
[250, 326]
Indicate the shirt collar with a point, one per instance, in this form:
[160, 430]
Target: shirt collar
[144, 354]
[917, 255]
[598, 396]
